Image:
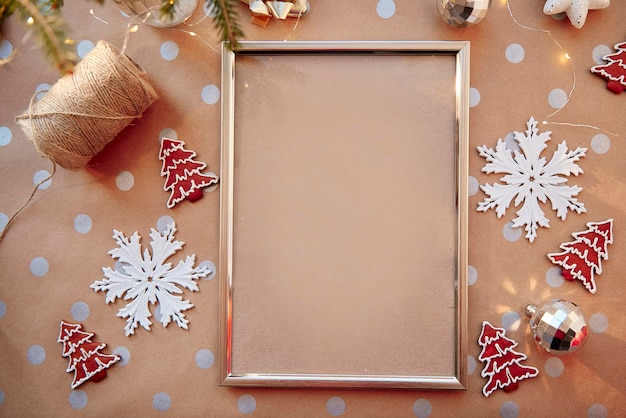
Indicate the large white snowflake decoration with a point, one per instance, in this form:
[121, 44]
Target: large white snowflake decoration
[148, 279]
[530, 179]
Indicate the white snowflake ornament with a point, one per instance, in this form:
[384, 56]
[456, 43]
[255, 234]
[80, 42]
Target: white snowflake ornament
[148, 279]
[576, 10]
[529, 179]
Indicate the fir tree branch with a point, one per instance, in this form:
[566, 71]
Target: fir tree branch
[43, 17]
[226, 21]
[168, 8]
[50, 29]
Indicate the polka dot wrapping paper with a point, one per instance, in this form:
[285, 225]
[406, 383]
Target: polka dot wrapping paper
[58, 245]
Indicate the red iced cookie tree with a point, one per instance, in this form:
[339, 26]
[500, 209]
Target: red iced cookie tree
[85, 358]
[183, 174]
[582, 258]
[614, 70]
[503, 364]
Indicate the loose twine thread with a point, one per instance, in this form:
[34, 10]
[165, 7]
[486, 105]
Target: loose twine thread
[82, 112]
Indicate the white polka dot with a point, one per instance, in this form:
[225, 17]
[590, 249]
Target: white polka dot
[511, 320]
[161, 401]
[474, 97]
[168, 133]
[598, 322]
[36, 354]
[472, 186]
[123, 353]
[472, 275]
[210, 94]
[212, 187]
[554, 367]
[204, 358]
[597, 410]
[82, 223]
[554, 278]
[246, 404]
[600, 143]
[515, 53]
[335, 406]
[78, 399]
[41, 90]
[599, 52]
[120, 267]
[471, 365]
[6, 49]
[39, 266]
[211, 266]
[125, 181]
[509, 409]
[40, 176]
[169, 50]
[511, 144]
[422, 408]
[1, 397]
[557, 98]
[511, 234]
[163, 222]
[5, 136]
[157, 313]
[80, 311]
[4, 219]
[83, 48]
[3, 309]
[385, 8]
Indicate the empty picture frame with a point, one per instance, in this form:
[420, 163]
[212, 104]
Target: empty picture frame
[343, 236]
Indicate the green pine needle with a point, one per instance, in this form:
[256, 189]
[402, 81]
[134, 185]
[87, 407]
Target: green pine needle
[50, 31]
[44, 19]
[226, 21]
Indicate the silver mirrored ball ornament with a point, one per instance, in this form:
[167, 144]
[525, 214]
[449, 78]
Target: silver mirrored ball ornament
[462, 13]
[558, 326]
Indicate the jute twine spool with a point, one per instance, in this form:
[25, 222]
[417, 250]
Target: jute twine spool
[84, 111]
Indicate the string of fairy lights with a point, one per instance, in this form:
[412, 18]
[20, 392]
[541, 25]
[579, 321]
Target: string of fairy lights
[133, 27]
[567, 58]
[135, 23]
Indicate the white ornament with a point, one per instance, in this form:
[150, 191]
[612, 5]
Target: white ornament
[529, 179]
[148, 279]
[576, 10]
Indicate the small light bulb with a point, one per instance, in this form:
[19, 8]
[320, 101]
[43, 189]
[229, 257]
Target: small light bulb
[567, 57]
[134, 29]
[30, 21]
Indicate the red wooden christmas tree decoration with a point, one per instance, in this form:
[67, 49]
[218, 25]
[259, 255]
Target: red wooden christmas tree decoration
[85, 358]
[615, 70]
[183, 174]
[582, 258]
[503, 366]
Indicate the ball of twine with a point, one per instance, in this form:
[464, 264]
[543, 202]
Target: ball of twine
[84, 111]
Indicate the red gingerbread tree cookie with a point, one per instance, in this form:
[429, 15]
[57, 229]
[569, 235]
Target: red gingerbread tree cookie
[615, 70]
[503, 366]
[85, 358]
[582, 258]
[183, 174]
